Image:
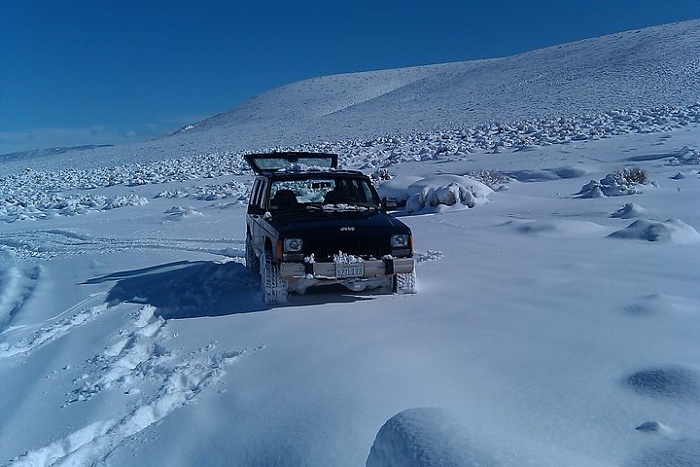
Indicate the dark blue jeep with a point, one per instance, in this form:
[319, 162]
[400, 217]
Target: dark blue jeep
[310, 224]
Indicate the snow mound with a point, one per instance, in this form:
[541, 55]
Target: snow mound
[38, 205]
[654, 427]
[658, 304]
[425, 437]
[120, 201]
[181, 212]
[441, 193]
[231, 189]
[684, 156]
[558, 228]
[673, 230]
[396, 189]
[629, 211]
[543, 175]
[679, 176]
[672, 381]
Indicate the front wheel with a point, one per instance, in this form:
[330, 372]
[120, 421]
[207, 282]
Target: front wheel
[405, 283]
[274, 288]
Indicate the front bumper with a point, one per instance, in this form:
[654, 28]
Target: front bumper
[326, 270]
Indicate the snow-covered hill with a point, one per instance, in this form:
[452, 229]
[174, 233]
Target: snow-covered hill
[553, 199]
[637, 71]
[653, 67]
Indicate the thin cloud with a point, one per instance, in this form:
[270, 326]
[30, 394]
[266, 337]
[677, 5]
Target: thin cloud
[44, 138]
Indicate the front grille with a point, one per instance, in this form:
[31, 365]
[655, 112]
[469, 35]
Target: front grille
[365, 247]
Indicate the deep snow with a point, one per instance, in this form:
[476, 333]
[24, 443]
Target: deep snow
[556, 321]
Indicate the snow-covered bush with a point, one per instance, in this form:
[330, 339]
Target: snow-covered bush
[445, 192]
[619, 183]
[120, 201]
[633, 175]
[492, 178]
[435, 193]
[432, 197]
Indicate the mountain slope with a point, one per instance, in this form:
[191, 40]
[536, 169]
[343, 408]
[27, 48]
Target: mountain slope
[643, 68]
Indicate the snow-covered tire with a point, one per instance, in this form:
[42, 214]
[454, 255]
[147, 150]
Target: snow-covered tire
[274, 288]
[405, 283]
[251, 261]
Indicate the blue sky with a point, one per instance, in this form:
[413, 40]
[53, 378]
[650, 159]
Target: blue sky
[76, 72]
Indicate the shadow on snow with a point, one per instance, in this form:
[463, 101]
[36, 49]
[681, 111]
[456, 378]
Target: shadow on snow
[194, 289]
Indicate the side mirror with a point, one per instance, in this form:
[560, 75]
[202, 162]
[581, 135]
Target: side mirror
[253, 209]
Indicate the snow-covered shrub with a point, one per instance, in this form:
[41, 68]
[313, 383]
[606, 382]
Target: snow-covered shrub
[442, 192]
[381, 175]
[631, 176]
[619, 183]
[120, 201]
[490, 178]
[231, 189]
[444, 195]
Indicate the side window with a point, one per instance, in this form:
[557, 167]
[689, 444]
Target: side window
[256, 196]
[261, 195]
[366, 193]
[254, 193]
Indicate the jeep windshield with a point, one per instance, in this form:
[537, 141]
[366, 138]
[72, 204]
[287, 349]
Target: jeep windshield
[322, 194]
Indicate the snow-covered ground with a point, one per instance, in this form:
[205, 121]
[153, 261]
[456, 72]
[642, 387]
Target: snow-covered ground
[556, 323]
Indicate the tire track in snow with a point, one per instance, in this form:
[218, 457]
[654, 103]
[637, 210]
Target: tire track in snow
[49, 244]
[16, 286]
[51, 329]
[138, 358]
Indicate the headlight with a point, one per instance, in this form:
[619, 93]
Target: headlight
[400, 241]
[293, 245]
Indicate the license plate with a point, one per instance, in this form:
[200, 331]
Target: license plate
[349, 269]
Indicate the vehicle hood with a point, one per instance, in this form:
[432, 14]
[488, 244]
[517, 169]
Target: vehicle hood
[340, 223]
